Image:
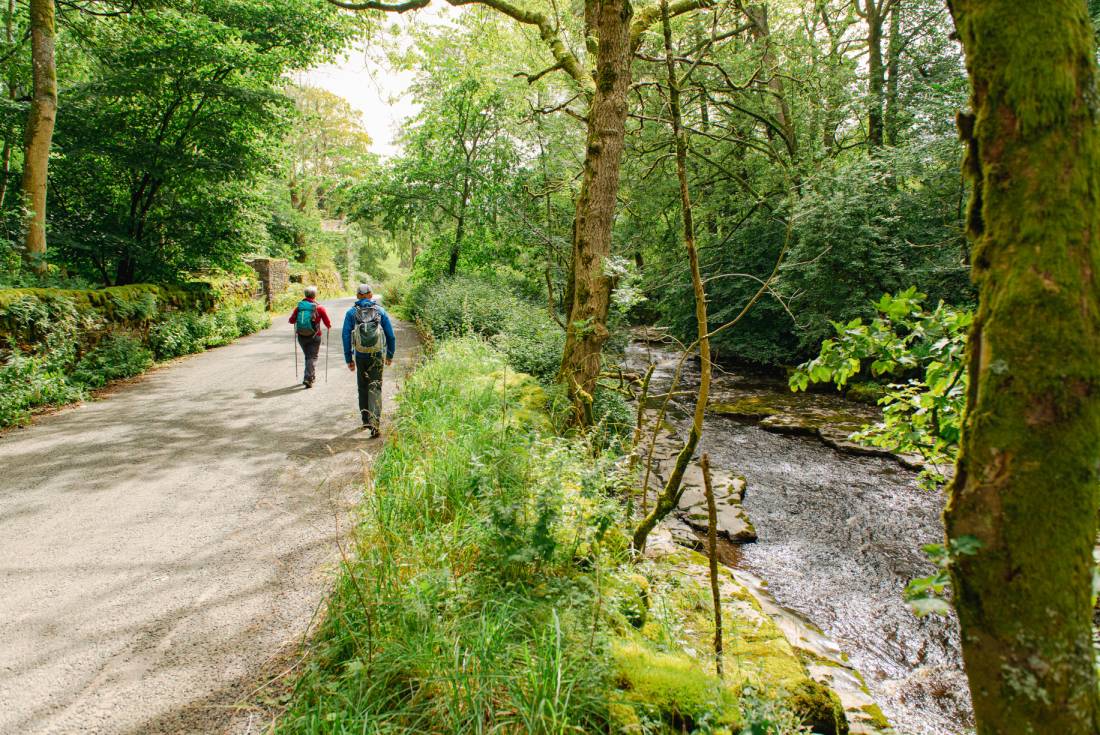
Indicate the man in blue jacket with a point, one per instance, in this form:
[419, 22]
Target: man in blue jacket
[364, 325]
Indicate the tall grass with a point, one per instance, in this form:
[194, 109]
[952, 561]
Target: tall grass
[468, 603]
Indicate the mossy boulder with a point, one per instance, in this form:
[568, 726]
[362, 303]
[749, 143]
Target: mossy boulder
[670, 686]
[756, 653]
[818, 707]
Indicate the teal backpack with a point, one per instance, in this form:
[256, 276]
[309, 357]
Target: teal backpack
[306, 323]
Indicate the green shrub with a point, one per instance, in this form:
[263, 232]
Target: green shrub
[462, 305]
[395, 291]
[173, 336]
[182, 333]
[44, 331]
[533, 343]
[117, 356]
[252, 317]
[30, 381]
[613, 414]
[219, 327]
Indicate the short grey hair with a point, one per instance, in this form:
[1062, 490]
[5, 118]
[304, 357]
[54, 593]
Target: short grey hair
[311, 292]
[364, 289]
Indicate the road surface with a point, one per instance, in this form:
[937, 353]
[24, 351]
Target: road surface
[164, 549]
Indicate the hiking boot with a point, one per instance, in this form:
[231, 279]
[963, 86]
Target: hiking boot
[307, 383]
[375, 432]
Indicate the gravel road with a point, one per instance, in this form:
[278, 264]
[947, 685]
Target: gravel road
[164, 550]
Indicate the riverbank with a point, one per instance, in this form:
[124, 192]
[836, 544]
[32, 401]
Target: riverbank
[839, 536]
[490, 586]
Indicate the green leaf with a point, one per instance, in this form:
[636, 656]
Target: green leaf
[923, 606]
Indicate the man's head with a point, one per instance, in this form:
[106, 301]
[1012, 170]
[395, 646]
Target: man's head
[311, 292]
[363, 291]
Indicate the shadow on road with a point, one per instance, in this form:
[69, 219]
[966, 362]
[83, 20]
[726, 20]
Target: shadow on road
[278, 391]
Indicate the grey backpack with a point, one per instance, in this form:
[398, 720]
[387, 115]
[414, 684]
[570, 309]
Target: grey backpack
[367, 336]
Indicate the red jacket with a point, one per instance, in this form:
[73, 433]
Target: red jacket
[319, 313]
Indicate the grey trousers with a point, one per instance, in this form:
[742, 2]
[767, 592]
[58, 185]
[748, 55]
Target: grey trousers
[311, 347]
[368, 376]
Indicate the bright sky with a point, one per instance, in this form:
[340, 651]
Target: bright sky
[366, 81]
[371, 87]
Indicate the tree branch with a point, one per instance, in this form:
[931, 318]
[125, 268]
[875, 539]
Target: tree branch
[532, 78]
[647, 16]
[388, 7]
[565, 58]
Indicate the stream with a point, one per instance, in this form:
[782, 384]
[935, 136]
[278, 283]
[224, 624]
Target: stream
[840, 535]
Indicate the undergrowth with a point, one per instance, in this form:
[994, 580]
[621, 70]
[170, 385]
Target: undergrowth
[470, 605]
[463, 305]
[523, 331]
[488, 586]
[56, 352]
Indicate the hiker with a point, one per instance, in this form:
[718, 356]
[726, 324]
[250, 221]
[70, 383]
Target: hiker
[307, 318]
[367, 334]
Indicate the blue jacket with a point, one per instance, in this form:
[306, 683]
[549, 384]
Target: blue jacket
[349, 327]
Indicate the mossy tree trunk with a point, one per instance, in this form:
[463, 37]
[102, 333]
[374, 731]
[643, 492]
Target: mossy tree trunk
[590, 288]
[1027, 485]
[39, 132]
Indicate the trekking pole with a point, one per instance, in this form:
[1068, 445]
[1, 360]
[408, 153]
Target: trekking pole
[294, 342]
[328, 333]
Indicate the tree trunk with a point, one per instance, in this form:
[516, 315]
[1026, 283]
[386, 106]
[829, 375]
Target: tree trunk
[39, 133]
[672, 491]
[590, 292]
[1027, 485]
[893, 69]
[761, 34]
[460, 228]
[5, 157]
[877, 72]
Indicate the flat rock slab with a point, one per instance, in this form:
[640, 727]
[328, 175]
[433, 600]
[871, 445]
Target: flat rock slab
[162, 549]
[729, 491]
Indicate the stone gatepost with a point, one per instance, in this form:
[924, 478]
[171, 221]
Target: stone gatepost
[274, 277]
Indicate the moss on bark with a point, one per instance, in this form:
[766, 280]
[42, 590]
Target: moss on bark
[1027, 485]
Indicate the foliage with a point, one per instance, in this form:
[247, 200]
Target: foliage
[472, 305]
[158, 164]
[62, 343]
[28, 381]
[928, 595]
[465, 606]
[185, 332]
[117, 356]
[923, 414]
[876, 225]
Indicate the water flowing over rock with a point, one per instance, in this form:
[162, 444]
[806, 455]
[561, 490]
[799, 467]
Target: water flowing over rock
[840, 535]
[691, 513]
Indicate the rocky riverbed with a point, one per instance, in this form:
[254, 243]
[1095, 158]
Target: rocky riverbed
[838, 533]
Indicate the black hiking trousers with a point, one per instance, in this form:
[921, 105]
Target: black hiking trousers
[368, 376]
[311, 347]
